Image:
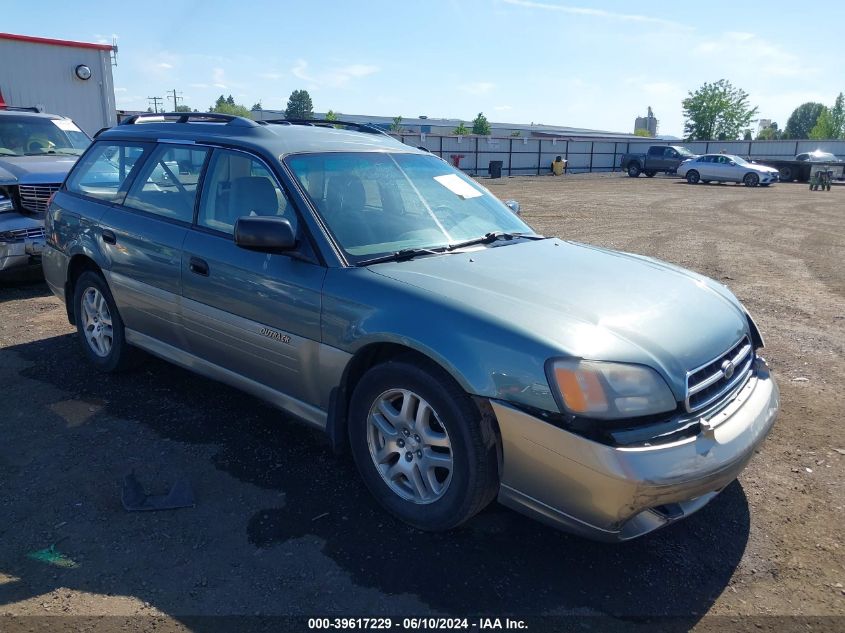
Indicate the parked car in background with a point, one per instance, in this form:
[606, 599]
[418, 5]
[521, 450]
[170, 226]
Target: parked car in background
[727, 168]
[36, 153]
[377, 293]
[658, 158]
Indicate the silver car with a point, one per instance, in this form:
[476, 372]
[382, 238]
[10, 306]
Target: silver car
[726, 168]
[36, 152]
[375, 292]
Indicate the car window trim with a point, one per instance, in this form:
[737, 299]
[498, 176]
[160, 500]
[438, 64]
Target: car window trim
[188, 223]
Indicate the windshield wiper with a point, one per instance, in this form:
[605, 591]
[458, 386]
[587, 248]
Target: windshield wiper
[402, 255]
[494, 236]
[52, 151]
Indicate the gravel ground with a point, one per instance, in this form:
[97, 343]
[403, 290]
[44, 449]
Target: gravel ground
[282, 526]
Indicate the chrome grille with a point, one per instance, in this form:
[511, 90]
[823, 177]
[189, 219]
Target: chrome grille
[24, 234]
[719, 377]
[35, 197]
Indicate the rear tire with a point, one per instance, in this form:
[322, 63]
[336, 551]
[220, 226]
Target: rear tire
[634, 170]
[421, 446]
[99, 326]
[693, 177]
[786, 174]
[650, 173]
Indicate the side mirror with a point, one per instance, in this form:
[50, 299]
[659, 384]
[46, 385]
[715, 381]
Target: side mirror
[266, 234]
[730, 162]
[513, 205]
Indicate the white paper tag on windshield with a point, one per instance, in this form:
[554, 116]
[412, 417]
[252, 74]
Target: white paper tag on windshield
[65, 124]
[457, 186]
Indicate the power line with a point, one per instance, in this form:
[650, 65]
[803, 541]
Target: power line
[176, 99]
[155, 101]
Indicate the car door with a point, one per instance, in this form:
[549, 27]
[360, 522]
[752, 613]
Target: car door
[728, 170]
[254, 314]
[705, 167]
[142, 238]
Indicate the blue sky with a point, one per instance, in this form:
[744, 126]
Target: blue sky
[595, 65]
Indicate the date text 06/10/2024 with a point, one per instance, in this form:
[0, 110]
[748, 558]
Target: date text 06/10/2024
[416, 624]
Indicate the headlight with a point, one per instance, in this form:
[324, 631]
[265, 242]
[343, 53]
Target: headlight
[608, 390]
[6, 204]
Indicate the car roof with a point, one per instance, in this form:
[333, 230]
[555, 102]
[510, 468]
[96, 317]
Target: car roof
[277, 138]
[29, 114]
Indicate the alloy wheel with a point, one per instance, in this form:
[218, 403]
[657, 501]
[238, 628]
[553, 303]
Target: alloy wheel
[409, 446]
[97, 322]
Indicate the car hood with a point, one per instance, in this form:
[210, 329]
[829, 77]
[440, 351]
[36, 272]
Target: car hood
[35, 170]
[764, 168]
[587, 302]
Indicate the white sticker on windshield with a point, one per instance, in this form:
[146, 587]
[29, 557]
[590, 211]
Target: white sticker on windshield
[65, 124]
[457, 186]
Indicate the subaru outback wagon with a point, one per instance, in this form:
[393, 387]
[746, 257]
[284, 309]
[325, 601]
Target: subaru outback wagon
[369, 289]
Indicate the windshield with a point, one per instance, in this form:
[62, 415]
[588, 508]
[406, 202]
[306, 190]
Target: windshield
[739, 161]
[378, 203]
[28, 136]
[683, 151]
[822, 156]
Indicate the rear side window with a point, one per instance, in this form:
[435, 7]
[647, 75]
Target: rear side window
[655, 151]
[104, 171]
[167, 183]
[236, 185]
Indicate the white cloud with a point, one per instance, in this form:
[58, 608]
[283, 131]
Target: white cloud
[502, 108]
[596, 13]
[271, 75]
[753, 53]
[335, 77]
[164, 65]
[105, 39]
[200, 85]
[218, 78]
[478, 87]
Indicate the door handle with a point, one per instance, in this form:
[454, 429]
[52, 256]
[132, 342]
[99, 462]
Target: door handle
[199, 266]
[109, 237]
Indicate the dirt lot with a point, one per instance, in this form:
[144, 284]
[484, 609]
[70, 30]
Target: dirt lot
[282, 526]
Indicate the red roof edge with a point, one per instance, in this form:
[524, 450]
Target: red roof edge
[47, 40]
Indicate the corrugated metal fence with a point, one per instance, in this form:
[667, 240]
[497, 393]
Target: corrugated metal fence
[525, 156]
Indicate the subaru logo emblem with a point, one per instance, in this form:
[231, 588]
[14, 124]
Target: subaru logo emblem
[728, 369]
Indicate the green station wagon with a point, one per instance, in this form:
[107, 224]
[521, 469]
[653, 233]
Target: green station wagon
[371, 290]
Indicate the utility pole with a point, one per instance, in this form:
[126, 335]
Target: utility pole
[176, 99]
[155, 101]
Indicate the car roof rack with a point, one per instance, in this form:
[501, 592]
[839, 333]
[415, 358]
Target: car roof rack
[187, 117]
[21, 108]
[358, 127]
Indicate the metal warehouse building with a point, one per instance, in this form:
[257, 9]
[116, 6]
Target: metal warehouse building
[60, 77]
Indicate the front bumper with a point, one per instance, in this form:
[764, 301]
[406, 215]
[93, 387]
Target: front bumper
[616, 494]
[20, 253]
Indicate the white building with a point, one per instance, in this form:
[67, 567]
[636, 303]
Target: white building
[73, 79]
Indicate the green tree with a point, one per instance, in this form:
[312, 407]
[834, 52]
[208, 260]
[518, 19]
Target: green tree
[331, 115]
[717, 110]
[480, 125]
[768, 134]
[461, 130]
[396, 126]
[837, 116]
[642, 132]
[184, 108]
[256, 106]
[824, 128]
[802, 120]
[299, 105]
[746, 136]
[227, 105]
[516, 133]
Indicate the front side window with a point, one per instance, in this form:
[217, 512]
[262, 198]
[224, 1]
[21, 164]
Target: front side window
[376, 203]
[103, 171]
[33, 135]
[239, 185]
[167, 183]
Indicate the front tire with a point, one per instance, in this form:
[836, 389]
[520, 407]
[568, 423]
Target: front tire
[420, 445]
[634, 170]
[693, 177]
[751, 180]
[98, 324]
